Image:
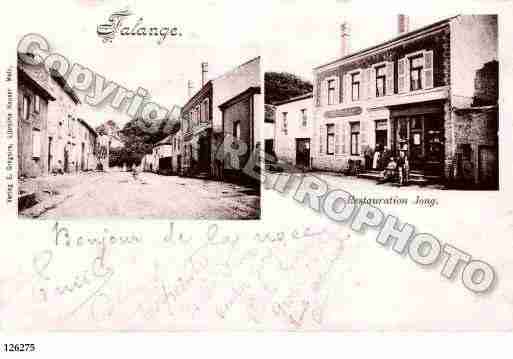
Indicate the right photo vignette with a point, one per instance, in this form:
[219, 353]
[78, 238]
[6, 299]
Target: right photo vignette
[414, 105]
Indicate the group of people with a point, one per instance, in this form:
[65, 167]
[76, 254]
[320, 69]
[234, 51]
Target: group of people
[393, 168]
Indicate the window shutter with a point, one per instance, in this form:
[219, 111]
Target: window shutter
[343, 138]
[427, 73]
[372, 82]
[337, 89]
[324, 92]
[318, 89]
[322, 140]
[401, 75]
[347, 88]
[337, 138]
[363, 136]
[407, 85]
[390, 78]
[364, 85]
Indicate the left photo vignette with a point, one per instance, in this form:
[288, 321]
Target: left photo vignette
[91, 147]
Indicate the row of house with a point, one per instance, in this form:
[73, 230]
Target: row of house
[52, 137]
[432, 92]
[225, 111]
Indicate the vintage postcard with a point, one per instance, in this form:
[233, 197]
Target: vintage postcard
[285, 165]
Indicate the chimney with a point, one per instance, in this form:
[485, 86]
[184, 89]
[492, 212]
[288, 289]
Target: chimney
[403, 24]
[344, 39]
[204, 72]
[190, 88]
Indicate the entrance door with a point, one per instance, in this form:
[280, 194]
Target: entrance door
[204, 154]
[488, 167]
[303, 152]
[434, 147]
[381, 134]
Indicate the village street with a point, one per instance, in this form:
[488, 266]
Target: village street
[117, 194]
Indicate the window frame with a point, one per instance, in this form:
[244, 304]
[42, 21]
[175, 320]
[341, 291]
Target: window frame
[329, 134]
[304, 118]
[331, 91]
[377, 68]
[26, 107]
[417, 69]
[236, 130]
[353, 83]
[36, 151]
[284, 122]
[356, 135]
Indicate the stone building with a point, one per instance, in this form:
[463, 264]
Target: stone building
[239, 115]
[403, 94]
[63, 127]
[34, 94]
[201, 117]
[294, 130]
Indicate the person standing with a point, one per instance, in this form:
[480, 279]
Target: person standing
[403, 167]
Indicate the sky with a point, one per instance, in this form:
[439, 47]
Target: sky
[289, 35]
[133, 62]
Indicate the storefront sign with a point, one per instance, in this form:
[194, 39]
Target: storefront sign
[344, 112]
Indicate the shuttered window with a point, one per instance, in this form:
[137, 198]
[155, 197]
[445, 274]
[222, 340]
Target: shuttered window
[428, 69]
[381, 81]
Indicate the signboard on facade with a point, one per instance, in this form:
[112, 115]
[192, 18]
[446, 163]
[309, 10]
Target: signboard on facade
[343, 112]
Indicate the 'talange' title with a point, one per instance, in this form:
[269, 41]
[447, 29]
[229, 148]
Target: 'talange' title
[116, 25]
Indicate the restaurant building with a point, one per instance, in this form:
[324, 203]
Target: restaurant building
[406, 94]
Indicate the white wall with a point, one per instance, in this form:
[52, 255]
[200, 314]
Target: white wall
[285, 144]
[233, 83]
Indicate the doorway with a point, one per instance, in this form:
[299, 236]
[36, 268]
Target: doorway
[422, 138]
[381, 134]
[303, 153]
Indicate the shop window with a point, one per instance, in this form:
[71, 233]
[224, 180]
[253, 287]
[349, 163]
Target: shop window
[330, 139]
[355, 138]
[381, 81]
[355, 86]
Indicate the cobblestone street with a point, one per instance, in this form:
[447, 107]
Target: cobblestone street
[118, 195]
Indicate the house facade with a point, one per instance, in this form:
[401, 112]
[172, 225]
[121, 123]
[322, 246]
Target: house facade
[239, 115]
[402, 95]
[202, 121]
[34, 95]
[294, 130]
[64, 128]
[197, 132]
